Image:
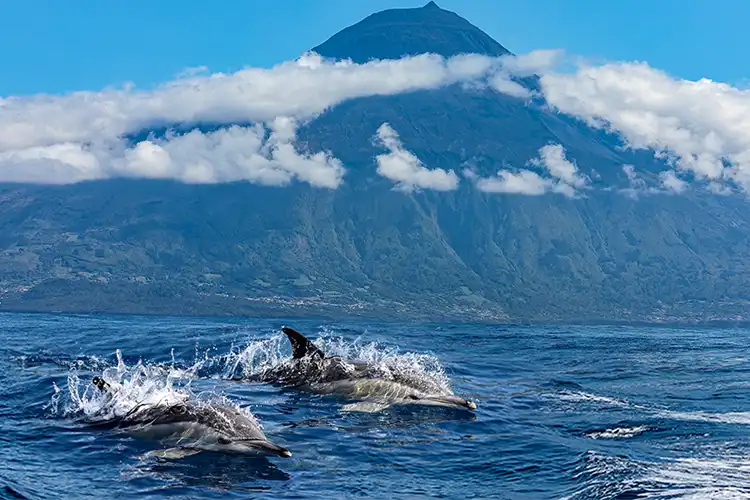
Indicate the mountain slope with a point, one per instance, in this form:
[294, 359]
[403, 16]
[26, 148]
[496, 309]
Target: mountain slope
[366, 249]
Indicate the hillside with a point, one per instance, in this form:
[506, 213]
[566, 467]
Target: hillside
[365, 249]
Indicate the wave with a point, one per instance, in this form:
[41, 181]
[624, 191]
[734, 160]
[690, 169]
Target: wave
[587, 397]
[727, 477]
[618, 432]
[740, 418]
[717, 476]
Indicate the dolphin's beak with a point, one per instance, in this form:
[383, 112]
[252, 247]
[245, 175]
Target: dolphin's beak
[452, 401]
[271, 449]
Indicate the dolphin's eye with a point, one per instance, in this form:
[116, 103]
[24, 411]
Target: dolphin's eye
[223, 440]
[412, 396]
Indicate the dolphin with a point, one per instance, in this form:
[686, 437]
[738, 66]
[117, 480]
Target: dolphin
[191, 428]
[311, 370]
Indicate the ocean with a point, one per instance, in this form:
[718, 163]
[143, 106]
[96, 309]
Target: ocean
[564, 412]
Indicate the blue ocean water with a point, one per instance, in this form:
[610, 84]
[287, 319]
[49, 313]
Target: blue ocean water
[563, 412]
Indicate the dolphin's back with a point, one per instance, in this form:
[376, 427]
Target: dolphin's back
[225, 420]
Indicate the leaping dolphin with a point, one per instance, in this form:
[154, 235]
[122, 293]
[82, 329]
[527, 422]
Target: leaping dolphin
[311, 370]
[191, 428]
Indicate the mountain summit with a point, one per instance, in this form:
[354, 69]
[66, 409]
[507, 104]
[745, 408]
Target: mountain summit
[395, 33]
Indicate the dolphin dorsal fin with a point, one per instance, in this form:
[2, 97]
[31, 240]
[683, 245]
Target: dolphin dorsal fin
[301, 345]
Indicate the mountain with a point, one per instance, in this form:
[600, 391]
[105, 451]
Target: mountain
[365, 249]
[395, 33]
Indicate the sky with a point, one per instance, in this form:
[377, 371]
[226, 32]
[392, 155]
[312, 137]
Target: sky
[59, 47]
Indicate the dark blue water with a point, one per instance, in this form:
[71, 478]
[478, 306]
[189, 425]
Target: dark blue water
[577, 412]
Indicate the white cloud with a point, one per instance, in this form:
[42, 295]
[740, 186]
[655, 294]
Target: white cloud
[552, 156]
[235, 153]
[231, 154]
[469, 66]
[533, 63]
[522, 182]
[49, 138]
[503, 84]
[524, 65]
[56, 164]
[564, 176]
[671, 182]
[701, 126]
[404, 168]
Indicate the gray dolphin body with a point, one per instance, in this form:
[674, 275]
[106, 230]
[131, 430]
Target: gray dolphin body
[311, 370]
[190, 428]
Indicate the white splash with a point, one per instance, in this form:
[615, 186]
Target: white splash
[618, 432]
[138, 386]
[135, 389]
[388, 363]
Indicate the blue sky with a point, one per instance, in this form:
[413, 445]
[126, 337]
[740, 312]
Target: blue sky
[53, 46]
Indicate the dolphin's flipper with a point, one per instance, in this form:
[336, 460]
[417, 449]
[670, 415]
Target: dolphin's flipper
[173, 453]
[301, 345]
[366, 407]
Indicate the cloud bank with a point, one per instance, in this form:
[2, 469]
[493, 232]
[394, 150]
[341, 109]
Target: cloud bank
[702, 127]
[259, 154]
[82, 136]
